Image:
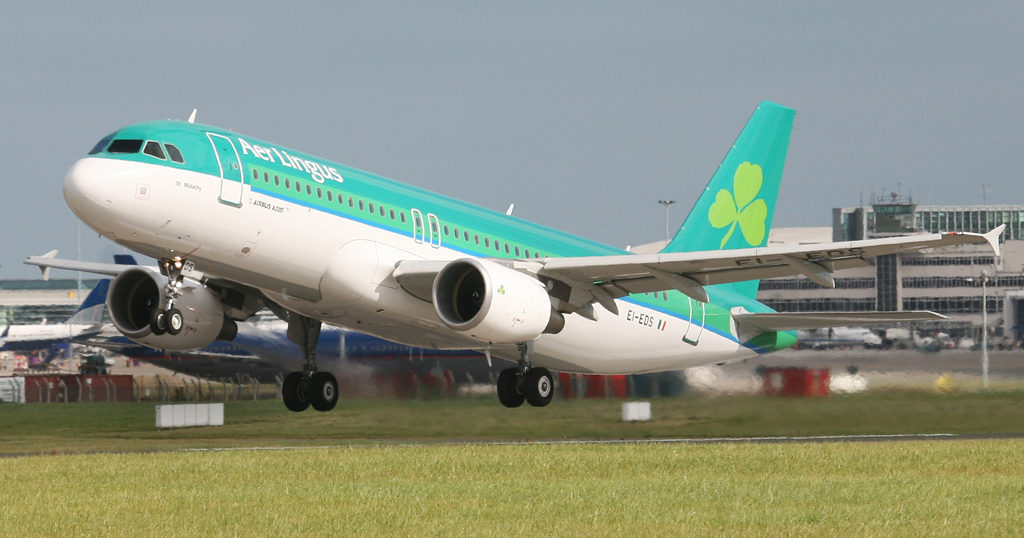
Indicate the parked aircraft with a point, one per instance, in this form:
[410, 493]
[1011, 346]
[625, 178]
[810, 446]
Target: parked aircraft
[87, 320]
[838, 337]
[238, 224]
[262, 351]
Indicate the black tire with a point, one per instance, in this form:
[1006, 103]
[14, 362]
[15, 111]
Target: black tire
[295, 392]
[323, 391]
[156, 322]
[539, 387]
[509, 393]
[174, 320]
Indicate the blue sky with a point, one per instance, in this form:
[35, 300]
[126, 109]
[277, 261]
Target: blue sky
[583, 114]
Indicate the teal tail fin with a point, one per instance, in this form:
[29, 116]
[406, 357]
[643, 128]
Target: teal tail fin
[736, 208]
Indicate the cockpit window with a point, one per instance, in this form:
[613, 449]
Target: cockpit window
[154, 149]
[174, 154]
[125, 145]
[101, 145]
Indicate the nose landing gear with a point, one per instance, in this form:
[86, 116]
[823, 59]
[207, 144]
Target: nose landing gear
[170, 320]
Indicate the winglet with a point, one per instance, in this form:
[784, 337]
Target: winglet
[993, 238]
[46, 269]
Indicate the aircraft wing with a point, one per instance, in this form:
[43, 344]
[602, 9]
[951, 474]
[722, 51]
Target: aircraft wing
[50, 261]
[788, 321]
[602, 278]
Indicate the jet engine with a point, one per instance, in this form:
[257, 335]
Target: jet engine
[492, 303]
[138, 292]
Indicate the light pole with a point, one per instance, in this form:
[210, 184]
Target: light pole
[984, 327]
[666, 203]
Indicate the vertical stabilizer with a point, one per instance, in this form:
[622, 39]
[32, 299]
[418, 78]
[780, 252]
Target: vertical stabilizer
[735, 210]
[90, 312]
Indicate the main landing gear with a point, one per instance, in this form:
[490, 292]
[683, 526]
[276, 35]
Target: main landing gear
[525, 383]
[309, 387]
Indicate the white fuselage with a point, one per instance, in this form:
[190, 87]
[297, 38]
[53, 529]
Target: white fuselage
[338, 270]
[40, 336]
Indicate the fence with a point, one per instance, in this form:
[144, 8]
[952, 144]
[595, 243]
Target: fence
[126, 388]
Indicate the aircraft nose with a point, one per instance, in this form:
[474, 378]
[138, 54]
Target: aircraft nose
[83, 188]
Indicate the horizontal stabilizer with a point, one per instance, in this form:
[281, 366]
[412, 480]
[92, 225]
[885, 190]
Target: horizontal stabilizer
[791, 321]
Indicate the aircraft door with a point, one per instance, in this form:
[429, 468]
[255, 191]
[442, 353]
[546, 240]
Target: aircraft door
[696, 326]
[435, 230]
[230, 169]
[418, 230]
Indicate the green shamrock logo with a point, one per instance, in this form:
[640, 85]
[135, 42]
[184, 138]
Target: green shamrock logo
[501, 289]
[743, 208]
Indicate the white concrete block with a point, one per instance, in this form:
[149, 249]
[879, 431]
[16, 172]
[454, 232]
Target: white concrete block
[636, 411]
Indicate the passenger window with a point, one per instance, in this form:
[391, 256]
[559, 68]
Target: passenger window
[465, 235]
[391, 213]
[153, 149]
[350, 203]
[298, 186]
[507, 251]
[330, 196]
[381, 209]
[371, 208]
[173, 153]
[277, 180]
[255, 173]
[446, 230]
[476, 238]
[266, 177]
[287, 183]
[319, 193]
[487, 242]
[360, 205]
[125, 145]
[517, 252]
[101, 145]
[527, 253]
[309, 190]
[402, 216]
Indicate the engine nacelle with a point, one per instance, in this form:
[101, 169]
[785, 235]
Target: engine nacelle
[493, 303]
[137, 292]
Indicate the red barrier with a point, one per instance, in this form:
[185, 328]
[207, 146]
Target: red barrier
[795, 381]
[78, 388]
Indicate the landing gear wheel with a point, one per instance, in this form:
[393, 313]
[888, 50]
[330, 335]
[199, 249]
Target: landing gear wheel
[295, 392]
[539, 387]
[174, 321]
[509, 393]
[323, 391]
[157, 322]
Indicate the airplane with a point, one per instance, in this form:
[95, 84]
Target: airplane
[238, 223]
[87, 320]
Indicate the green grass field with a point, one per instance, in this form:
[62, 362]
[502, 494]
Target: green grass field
[952, 488]
[380, 469]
